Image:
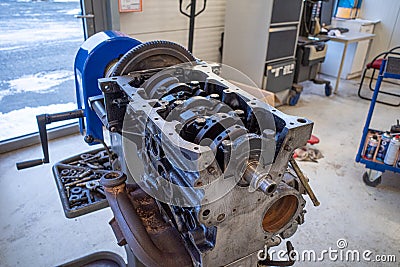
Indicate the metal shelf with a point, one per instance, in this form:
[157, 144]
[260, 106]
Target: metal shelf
[389, 69]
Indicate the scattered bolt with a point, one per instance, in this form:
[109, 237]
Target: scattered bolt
[85, 173]
[67, 189]
[81, 180]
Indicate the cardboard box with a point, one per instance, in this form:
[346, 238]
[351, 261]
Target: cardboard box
[346, 13]
[267, 97]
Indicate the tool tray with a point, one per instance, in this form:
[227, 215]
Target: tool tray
[73, 174]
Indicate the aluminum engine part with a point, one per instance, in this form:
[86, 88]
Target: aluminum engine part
[213, 157]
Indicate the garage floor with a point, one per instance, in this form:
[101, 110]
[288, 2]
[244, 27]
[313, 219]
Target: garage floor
[34, 231]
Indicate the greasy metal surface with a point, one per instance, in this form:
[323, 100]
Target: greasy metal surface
[147, 209]
[154, 241]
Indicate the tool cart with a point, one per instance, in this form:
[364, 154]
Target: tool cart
[310, 53]
[371, 138]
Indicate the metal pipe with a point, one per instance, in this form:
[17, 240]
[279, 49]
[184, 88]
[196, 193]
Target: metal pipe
[257, 179]
[100, 110]
[191, 24]
[135, 233]
[304, 182]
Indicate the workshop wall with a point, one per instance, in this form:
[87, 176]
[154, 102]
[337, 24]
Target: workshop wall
[388, 31]
[161, 20]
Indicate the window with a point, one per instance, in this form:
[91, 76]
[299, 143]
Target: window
[38, 43]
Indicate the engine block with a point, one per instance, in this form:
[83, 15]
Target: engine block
[213, 157]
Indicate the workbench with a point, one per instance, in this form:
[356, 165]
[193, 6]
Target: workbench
[346, 39]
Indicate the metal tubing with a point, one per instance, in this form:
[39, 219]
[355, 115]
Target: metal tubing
[304, 182]
[259, 180]
[100, 110]
[191, 24]
[138, 238]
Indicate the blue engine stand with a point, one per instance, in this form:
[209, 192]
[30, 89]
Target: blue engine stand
[91, 63]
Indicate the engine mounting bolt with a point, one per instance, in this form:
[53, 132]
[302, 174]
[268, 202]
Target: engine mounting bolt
[181, 94]
[239, 112]
[107, 88]
[269, 134]
[194, 83]
[226, 143]
[214, 96]
[162, 108]
[200, 121]
[178, 102]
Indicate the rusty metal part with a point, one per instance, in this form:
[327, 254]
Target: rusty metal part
[121, 241]
[280, 213]
[76, 198]
[304, 182]
[85, 173]
[85, 183]
[67, 189]
[64, 172]
[94, 185]
[91, 177]
[154, 241]
[76, 190]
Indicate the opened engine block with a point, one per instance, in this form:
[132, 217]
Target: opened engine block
[205, 179]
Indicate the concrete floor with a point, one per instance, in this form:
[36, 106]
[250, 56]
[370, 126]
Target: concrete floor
[34, 231]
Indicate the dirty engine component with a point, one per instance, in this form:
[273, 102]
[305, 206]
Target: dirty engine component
[209, 162]
[201, 174]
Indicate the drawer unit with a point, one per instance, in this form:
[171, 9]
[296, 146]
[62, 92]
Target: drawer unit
[282, 14]
[261, 34]
[282, 42]
[279, 75]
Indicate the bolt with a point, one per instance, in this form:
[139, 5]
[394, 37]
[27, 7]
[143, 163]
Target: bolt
[113, 129]
[178, 102]
[200, 121]
[211, 170]
[162, 108]
[269, 134]
[81, 180]
[214, 96]
[239, 112]
[88, 139]
[68, 191]
[181, 94]
[227, 144]
[85, 173]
